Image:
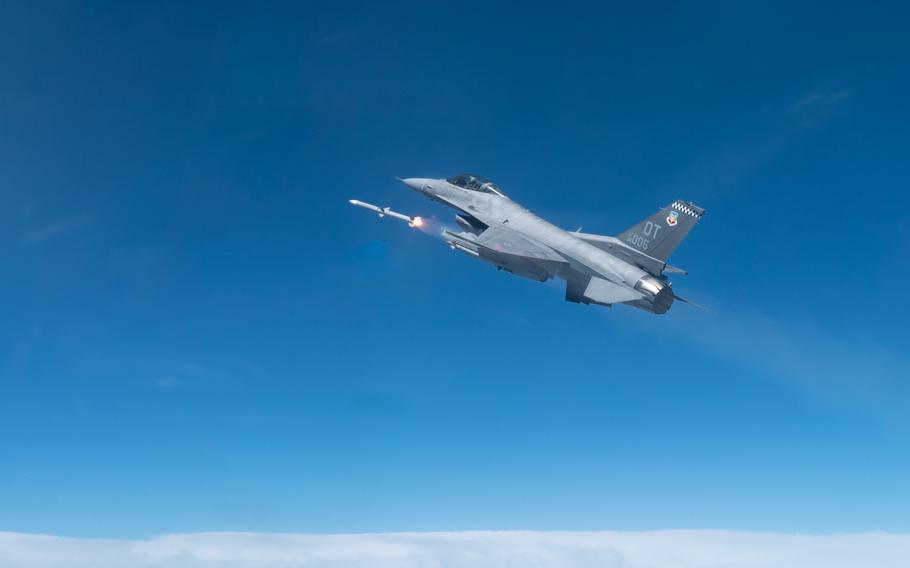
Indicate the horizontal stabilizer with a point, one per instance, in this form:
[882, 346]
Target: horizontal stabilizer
[606, 292]
[691, 303]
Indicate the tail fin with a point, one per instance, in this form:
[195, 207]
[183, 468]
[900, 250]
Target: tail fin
[660, 234]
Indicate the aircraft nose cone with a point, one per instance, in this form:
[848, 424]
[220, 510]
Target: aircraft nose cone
[417, 184]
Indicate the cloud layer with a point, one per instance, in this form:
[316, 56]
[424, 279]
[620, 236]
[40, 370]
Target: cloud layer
[662, 549]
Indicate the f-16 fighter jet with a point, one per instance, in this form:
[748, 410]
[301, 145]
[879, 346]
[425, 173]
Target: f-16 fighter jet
[626, 269]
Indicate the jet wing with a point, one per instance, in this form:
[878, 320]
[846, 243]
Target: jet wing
[507, 241]
[510, 250]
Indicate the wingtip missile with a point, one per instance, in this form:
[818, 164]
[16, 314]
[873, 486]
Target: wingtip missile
[373, 208]
[414, 221]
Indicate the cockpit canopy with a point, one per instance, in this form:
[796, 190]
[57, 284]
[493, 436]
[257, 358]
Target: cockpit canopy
[475, 183]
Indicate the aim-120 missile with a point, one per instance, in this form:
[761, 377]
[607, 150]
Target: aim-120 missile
[383, 211]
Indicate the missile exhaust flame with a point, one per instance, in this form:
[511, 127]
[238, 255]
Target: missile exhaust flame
[432, 227]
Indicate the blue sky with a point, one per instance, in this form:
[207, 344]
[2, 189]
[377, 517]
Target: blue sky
[199, 333]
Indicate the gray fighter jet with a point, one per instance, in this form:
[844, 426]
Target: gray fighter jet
[626, 269]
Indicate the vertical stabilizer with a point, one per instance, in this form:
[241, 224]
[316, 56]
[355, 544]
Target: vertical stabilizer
[660, 234]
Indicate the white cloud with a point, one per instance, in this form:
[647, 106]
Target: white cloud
[55, 230]
[819, 100]
[662, 549]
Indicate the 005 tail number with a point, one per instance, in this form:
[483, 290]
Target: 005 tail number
[639, 241]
